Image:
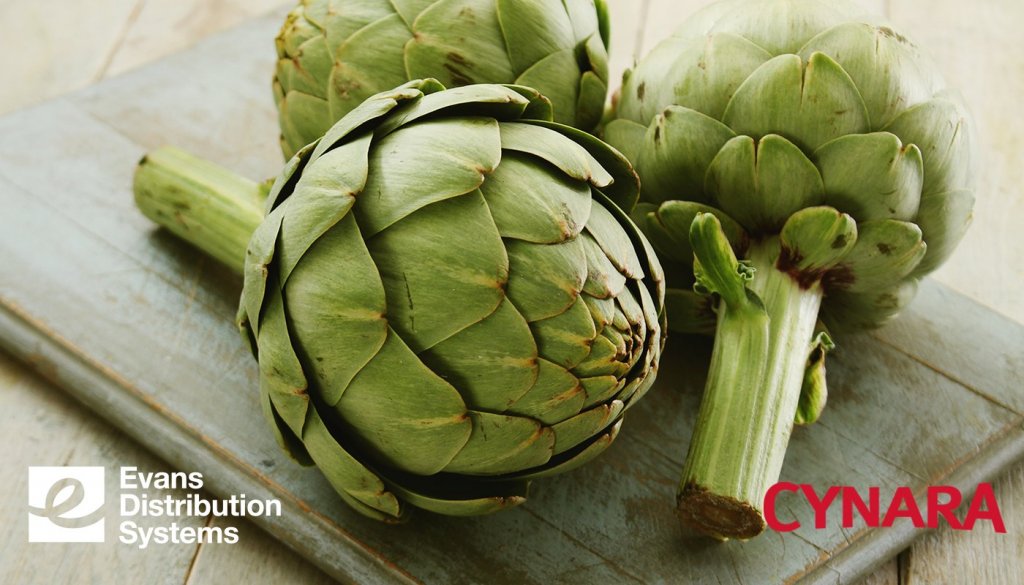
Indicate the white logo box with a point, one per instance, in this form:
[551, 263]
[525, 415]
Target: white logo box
[65, 504]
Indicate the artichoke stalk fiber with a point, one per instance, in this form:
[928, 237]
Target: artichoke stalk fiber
[333, 54]
[799, 159]
[442, 297]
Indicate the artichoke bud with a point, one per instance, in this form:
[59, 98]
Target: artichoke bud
[764, 108]
[814, 390]
[446, 303]
[333, 54]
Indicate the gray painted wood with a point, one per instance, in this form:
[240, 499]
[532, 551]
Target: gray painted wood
[138, 327]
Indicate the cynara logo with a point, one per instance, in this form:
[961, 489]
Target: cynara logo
[65, 504]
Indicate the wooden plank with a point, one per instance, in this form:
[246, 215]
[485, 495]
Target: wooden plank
[257, 559]
[978, 556]
[138, 326]
[34, 418]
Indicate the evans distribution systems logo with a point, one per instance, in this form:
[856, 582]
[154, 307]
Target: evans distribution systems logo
[65, 504]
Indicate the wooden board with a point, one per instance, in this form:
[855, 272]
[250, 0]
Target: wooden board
[138, 327]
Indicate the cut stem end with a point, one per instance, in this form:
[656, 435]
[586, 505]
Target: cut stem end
[718, 516]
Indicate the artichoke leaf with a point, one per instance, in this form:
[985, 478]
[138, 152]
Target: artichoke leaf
[403, 413]
[503, 444]
[555, 396]
[368, 62]
[410, 168]
[544, 280]
[565, 339]
[601, 310]
[286, 439]
[323, 195]
[608, 232]
[298, 111]
[886, 251]
[592, 92]
[281, 375]
[491, 363]
[761, 184]
[872, 176]
[448, 252]
[814, 389]
[603, 359]
[676, 152]
[336, 308]
[809, 105]
[338, 25]
[940, 129]
[890, 72]
[555, 148]
[816, 239]
[258, 256]
[411, 9]
[592, 449]
[849, 311]
[603, 278]
[624, 188]
[532, 32]
[347, 475]
[482, 497]
[574, 431]
[299, 26]
[453, 40]
[548, 76]
[374, 108]
[626, 136]
[504, 102]
[599, 388]
[710, 69]
[671, 227]
[535, 202]
[307, 68]
[943, 218]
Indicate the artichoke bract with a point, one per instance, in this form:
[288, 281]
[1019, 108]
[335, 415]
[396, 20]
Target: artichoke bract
[797, 157]
[333, 54]
[443, 299]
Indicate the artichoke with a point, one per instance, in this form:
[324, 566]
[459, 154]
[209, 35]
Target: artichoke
[443, 299]
[797, 157]
[333, 54]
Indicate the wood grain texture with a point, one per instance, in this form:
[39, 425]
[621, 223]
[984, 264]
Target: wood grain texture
[978, 556]
[49, 428]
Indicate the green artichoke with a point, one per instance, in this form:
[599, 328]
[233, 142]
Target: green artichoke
[333, 54]
[819, 146]
[443, 299]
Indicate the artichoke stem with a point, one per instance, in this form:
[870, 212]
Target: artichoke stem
[750, 401]
[205, 204]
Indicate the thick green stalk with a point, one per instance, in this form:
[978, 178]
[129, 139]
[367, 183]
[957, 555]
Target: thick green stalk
[204, 204]
[746, 416]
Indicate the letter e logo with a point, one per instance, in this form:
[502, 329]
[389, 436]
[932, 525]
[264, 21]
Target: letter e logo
[65, 504]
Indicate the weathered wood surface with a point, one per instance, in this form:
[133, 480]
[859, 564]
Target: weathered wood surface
[150, 286]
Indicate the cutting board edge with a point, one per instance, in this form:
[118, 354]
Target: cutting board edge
[849, 566]
[59, 363]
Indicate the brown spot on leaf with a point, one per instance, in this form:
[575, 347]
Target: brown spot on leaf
[884, 248]
[641, 90]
